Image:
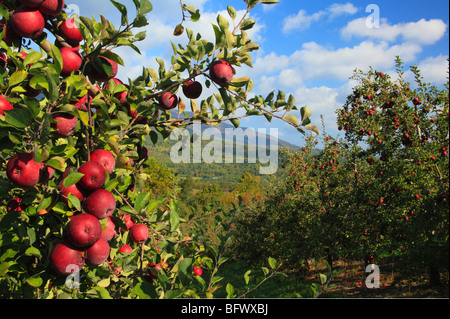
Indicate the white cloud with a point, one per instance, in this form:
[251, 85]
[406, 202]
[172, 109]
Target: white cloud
[424, 32]
[338, 9]
[303, 21]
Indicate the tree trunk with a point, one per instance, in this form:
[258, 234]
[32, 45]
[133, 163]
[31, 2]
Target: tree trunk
[434, 276]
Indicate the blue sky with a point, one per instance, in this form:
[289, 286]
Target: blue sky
[308, 48]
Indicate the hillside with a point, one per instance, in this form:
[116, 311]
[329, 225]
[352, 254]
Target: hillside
[222, 171]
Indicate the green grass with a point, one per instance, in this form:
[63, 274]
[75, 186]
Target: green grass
[279, 286]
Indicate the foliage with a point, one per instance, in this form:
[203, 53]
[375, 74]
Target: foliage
[381, 190]
[29, 232]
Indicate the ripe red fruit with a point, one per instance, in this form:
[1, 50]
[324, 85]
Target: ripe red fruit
[100, 203]
[168, 101]
[51, 7]
[98, 252]
[198, 271]
[125, 249]
[192, 89]
[221, 72]
[70, 32]
[127, 221]
[83, 230]
[4, 105]
[31, 3]
[94, 175]
[71, 60]
[22, 170]
[15, 205]
[99, 74]
[66, 259]
[105, 158]
[28, 22]
[110, 229]
[121, 96]
[80, 104]
[139, 233]
[46, 173]
[65, 124]
[73, 189]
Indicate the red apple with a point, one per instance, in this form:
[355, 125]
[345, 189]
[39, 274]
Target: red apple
[100, 203]
[70, 32]
[80, 103]
[15, 205]
[127, 221]
[192, 89]
[22, 170]
[110, 229]
[46, 173]
[73, 189]
[10, 35]
[168, 101]
[83, 230]
[125, 249]
[221, 72]
[4, 105]
[139, 233]
[105, 158]
[66, 259]
[100, 74]
[31, 3]
[198, 271]
[65, 124]
[121, 96]
[72, 60]
[94, 175]
[51, 7]
[28, 22]
[98, 253]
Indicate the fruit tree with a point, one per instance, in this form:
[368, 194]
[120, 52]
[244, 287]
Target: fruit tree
[74, 208]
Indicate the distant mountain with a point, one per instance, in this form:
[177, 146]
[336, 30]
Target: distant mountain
[248, 133]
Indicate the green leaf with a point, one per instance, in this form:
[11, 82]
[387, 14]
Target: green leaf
[230, 290]
[32, 57]
[104, 282]
[146, 6]
[235, 122]
[269, 1]
[305, 113]
[17, 77]
[273, 263]
[291, 103]
[247, 277]
[247, 24]
[223, 23]
[123, 10]
[231, 12]
[174, 220]
[35, 281]
[322, 279]
[102, 293]
[184, 264]
[291, 118]
[33, 251]
[20, 118]
[57, 58]
[313, 128]
[141, 201]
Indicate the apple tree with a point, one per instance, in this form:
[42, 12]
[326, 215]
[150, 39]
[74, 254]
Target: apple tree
[380, 190]
[402, 130]
[72, 138]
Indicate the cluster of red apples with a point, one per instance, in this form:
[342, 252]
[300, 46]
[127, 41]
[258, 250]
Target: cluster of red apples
[86, 240]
